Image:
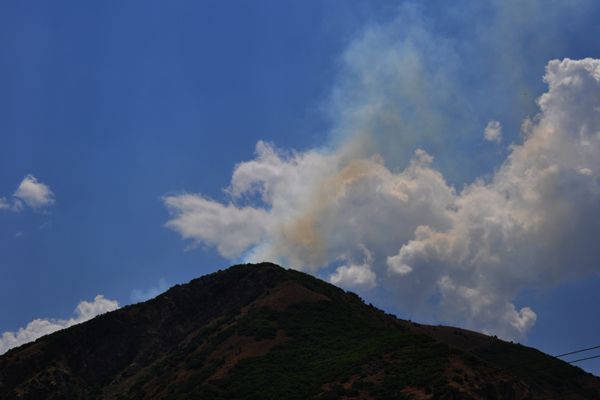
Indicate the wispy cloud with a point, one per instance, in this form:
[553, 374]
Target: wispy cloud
[493, 132]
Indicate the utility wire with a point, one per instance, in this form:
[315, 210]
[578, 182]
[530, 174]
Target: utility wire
[565, 392]
[535, 365]
[583, 359]
[577, 351]
[558, 357]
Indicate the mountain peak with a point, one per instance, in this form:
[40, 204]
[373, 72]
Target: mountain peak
[259, 331]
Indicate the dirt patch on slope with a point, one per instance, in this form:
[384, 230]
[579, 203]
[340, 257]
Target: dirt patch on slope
[237, 348]
[284, 295]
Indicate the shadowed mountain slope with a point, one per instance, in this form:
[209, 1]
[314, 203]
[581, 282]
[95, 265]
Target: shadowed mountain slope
[263, 332]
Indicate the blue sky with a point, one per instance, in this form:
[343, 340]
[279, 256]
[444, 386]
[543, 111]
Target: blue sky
[122, 109]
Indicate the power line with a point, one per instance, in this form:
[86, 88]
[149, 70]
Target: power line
[536, 364]
[577, 351]
[558, 357]
[583, 359]
[569, 391]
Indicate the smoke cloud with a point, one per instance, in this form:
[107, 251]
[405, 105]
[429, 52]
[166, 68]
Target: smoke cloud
[356, 210]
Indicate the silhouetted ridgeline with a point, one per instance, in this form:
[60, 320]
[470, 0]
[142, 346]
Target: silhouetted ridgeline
[263, 332]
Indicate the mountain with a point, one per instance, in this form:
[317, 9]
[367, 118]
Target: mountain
[264, 332]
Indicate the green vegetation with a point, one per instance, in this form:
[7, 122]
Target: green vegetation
[194, 342]
[331, 342]
[534, 367]
[260, 324]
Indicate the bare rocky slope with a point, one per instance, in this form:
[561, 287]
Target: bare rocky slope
[264, 332]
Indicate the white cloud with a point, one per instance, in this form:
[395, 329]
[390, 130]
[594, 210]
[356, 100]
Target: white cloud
[396, 266]
[34, 193]
[284, 181]
[40, 327]
[464, 255]
[138, 295]
[229, 228]
[354, 276]
[532, 225]
[30, 192]
[493, 132]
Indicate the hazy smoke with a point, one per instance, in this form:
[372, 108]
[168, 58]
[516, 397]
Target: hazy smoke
[465, 253]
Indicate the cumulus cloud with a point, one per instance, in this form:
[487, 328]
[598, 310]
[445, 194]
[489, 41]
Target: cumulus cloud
[31, 193]
[34, 193]
[529, 226]
[37, 328]
[356, 276]
[493, 132]
[465, 253]
[408, 90]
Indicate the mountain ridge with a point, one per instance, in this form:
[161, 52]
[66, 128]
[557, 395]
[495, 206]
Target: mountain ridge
[259, 331]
